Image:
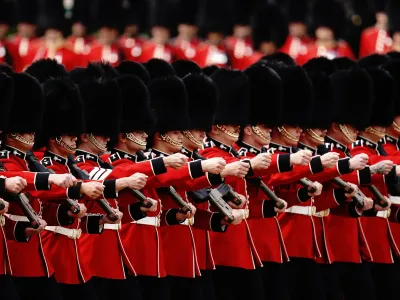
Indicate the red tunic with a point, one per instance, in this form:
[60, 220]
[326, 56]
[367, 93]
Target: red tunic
[382, 240]
[63, 56]
[295, 46]
[208, 55]
[22, 51]
[239, 50]
[106, 53]
[152, 50]
[131, 48]
[81, 47]
[235, 247]
[184, 49]
[374, 40]
[4, 53]
[342, 50]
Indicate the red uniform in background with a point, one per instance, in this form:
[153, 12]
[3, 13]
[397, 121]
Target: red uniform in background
[131, 48]
[374, 40]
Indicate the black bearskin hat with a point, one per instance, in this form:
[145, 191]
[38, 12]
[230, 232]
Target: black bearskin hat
[55, 17]
[6, 99]
[383, 108]
[330, 14]
[27, 11]
[353, 97]
[4, 68]
[26, 114]
[394, 55]
[164, 14]
[394, 69]
[81, 12]
[133, 11]
[91, 72]
[210, 16]
[188, 12]
[136, 113]
[46, 68]
[203, 99]
[234, 95]
[394, 11]
[343, 63]
[103, 101]
[266, 95]
[279, 57]
[320, 64]
[373, 60]
[169, 101]
[109, 71]
[134, 68]
[243, 12]
[159, 68]
[109, 13]
[209, 70]
[297, 11]
[64, 113]
[297, 96]
[270, 25]
[183, 67]
[382, 5]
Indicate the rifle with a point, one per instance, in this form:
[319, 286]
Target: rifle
[36, 166]
[82, 174]
[358, 197]
[183, 205]
[24, 203]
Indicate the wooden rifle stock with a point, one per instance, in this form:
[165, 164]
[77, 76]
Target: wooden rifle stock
[82, 174]
[267, 191]
[36, 166]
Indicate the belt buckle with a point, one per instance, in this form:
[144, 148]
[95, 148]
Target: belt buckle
[245, 213]
[119, 226]
[76, 234]
[191, 221]
[388, 212]
[312, 211]
[158, 221]
[2, 221]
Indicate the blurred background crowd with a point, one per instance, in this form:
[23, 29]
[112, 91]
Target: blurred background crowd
[233, 33]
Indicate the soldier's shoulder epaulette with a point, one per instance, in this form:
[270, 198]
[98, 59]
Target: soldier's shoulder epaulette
[4, 154]
[46, 161]
[80, 158]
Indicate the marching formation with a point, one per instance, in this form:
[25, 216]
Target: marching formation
[163, 181]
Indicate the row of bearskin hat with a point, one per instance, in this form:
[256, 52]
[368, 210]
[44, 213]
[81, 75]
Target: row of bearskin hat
[269, 22]
[47, 100]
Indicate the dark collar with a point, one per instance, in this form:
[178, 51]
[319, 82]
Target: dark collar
[210, 143]
[86, 155]
[272, 147]
[305, 147]
[117, 154]
[157, 153]
[187, 152]
[388, 139]
[363, 142]
[55, 157]
[16, 152]
[336, 144]
[244, 148]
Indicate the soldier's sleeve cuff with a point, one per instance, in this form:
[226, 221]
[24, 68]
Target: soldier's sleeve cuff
[364, 176]
[75, 191]
[214, 179]
[2, 187]
[62, 215]
[135, 212]
[158, 166]
[302, 195]
[170, 217]
[316, 165]
[250, 173]
[110, 190]
[42, 181]
[195, 169]
[391, 177]
[19, 232]
[215, 223]
[93, 224]
[352, 210]
[397, 216]
[284, 163]
[268, 209]
[343, 166]
[339, 196]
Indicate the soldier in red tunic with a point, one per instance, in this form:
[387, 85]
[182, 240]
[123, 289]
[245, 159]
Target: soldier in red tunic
[106, 47]
[239, 46]
[376, 39]
[130, 42]
[214, 28]
[163, 21]
[328, 21]
[79, 42]
[23, 45]
[298, 39]
[185, 44]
